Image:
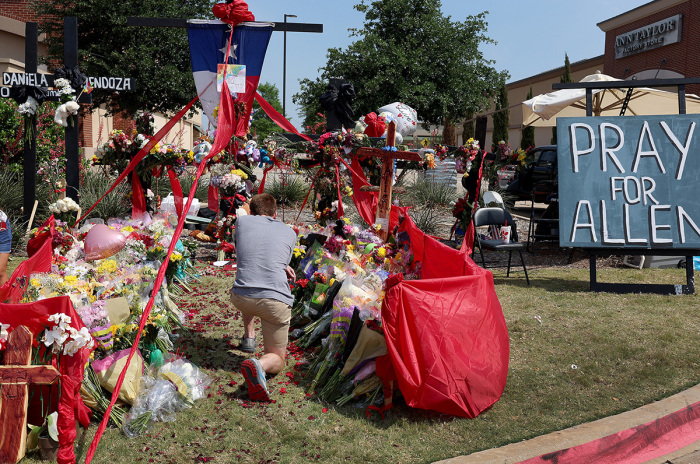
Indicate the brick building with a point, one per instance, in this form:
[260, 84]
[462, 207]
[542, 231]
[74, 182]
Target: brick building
[96, 126]
[659, 39]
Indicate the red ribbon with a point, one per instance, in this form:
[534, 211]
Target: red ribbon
[337, 183]
[177, 190]
[376, 126]
[233, 13]
[138, 201]
[277, 118]
[307, 195]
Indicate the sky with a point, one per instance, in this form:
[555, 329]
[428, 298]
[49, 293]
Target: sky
[532, 36]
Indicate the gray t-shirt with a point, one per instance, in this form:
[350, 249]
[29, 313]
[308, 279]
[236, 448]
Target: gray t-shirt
[264, 248]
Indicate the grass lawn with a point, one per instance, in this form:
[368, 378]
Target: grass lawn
[575, 356]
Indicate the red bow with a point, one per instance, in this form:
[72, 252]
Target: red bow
[375, 125]
[233, 13]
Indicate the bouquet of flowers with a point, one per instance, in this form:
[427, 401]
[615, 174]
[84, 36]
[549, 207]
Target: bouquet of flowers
[65, 210]
[463, 212]
[96, 319]
[465, 156]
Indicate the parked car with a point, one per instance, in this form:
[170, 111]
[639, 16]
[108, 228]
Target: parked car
[538, 178]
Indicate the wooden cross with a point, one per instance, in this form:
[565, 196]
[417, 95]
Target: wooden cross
[15, 377]
[388, 156]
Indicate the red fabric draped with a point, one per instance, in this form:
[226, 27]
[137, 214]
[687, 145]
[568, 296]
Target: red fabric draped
[138, 200]
[366, 202]
[177, 191]
[233, 13]
[446, 333]
[213, 198]
[278, 118]
[40, 253]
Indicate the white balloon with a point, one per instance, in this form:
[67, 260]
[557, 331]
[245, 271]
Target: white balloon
[406, 117]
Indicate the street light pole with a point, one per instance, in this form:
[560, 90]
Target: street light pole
[284, 67]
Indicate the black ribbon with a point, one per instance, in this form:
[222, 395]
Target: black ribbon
[338, 100]
[21, 93]
[76, 78]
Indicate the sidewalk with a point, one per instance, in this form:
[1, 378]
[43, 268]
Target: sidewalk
[585, 433]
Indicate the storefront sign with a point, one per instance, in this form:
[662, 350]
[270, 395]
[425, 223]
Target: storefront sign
[658, 34]
[631, 182]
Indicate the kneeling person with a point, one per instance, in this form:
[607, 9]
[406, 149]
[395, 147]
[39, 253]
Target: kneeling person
[264, 248]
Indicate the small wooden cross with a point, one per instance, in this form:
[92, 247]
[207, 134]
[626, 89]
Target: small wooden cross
[387, 155]
[15, 377]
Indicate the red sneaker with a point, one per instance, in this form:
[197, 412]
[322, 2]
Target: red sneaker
[254, 376]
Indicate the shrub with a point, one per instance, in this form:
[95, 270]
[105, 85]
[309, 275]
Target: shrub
[431, 194]
[94, 184]
[288, 192]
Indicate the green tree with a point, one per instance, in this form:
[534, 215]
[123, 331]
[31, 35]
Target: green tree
[262, 125]
[501, 119]
[307, 99]
[408, 51]
[528, 134]
[158, 58]
[468, 127]
[566, 77]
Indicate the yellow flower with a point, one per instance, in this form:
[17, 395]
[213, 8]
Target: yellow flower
[128, 229]
[155, 149]
[71, 279]
[240, 174]
[175, 257]
[381, 252]
[107, 266]
[35, 283]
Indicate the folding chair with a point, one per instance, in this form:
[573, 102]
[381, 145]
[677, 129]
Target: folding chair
[497, 217]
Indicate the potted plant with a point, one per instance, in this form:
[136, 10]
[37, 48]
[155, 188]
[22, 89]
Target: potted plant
[45, 437]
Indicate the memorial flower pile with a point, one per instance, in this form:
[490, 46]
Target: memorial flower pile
[341, 270]
[110, 296]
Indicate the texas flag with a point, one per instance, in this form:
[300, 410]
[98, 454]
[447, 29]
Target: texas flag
[208, 45]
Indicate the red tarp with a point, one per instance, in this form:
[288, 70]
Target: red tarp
[446, 333]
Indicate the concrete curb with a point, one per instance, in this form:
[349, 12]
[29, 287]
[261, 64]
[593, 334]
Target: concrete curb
[580, 434]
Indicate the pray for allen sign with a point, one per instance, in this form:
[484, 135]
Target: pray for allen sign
[629, 182]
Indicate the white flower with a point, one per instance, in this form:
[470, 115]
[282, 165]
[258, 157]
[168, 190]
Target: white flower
[78, 339]
[55, 337]
[61, 82]
[62, 320]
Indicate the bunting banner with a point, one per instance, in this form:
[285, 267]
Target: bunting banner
[208, 46]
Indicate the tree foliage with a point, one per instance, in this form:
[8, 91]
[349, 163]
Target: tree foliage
[262, 125]
[158, 58]
[528, 134]
[408, 51]
[501, 119]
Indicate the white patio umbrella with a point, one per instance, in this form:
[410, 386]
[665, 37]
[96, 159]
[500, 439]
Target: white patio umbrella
[543, 110]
